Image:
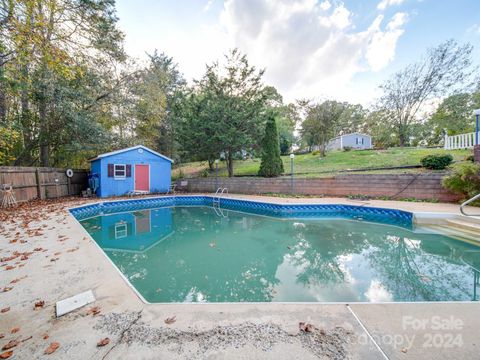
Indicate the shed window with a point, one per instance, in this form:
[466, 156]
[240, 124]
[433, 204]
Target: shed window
[121, 230]
[359, 141]
[119, 171]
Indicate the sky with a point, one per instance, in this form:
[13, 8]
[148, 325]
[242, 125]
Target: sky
[323, 49]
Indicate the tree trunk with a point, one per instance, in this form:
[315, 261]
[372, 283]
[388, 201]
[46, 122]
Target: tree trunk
[3, 98]
[403, 133]
[26, 121]
[43, 135]
[402, 138]
[230, 163]
[210, 164]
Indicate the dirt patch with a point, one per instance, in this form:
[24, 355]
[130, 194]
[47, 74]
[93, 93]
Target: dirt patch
[194, 344]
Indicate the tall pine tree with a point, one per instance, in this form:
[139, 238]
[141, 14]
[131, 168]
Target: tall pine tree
[272, 164]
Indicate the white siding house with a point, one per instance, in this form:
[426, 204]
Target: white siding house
[355, 141]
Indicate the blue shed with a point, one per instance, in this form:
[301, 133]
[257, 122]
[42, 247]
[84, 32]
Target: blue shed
[135, 169]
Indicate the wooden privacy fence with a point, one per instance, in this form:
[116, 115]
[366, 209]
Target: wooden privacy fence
[43, 183]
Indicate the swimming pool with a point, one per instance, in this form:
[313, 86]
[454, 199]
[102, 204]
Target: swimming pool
[182, 249]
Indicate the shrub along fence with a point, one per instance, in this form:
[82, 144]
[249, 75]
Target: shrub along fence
[426, 186]
[43, 183]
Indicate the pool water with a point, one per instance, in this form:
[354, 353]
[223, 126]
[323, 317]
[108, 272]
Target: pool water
[198, 254]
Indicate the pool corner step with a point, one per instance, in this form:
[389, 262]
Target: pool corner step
[467, 225]
[467, 235]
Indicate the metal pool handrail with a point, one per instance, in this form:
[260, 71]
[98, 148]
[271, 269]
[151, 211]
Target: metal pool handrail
[476, 197]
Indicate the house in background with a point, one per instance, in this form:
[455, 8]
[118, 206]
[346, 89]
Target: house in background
[136, 169]
[355, 141]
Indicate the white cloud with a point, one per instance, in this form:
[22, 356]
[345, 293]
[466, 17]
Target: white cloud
[381, 50]
[474, 29]
[309, 49]
[208, 5]
[325, 5]
[382, 5]
[377, 293]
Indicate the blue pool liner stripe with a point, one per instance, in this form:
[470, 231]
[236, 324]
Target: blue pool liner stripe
[371, 214]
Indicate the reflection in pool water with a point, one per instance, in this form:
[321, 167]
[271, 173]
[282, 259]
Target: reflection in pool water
[190, 254]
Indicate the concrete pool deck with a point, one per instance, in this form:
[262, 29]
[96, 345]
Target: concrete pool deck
[47, 256]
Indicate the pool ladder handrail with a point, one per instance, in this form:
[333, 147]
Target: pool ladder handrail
[462, 210]
[218, 195]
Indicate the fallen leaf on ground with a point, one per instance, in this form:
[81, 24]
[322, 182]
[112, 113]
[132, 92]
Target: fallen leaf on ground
[39, 304]
[10, 267]
[404, 350]
[10, 344]
[103, 342]
[38, 249]
[2, 335]
[26, 339]
[17, 279]
[6, 354]
[170, 320]
[7, 288]
[95, 310]
[45, 336]
[306, 327]
[4, 310]
[15, 330]
[52, 348]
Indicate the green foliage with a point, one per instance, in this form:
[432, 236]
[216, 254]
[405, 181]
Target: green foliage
[470, 158]
[445, 69]
[205, 173]
[271, 164]
[436, 162]
[335, 161]
[315, 152]
[347, 148]
[464, 180]
[156, 90]
[8, 140]
[57, 71]
[453, 115]
[320, 122]
[226, 110]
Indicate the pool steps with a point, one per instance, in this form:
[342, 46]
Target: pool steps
[457, 226]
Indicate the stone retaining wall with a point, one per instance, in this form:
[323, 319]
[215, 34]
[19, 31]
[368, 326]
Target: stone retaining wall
[419, 186]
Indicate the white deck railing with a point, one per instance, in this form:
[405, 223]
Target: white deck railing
[462, 141]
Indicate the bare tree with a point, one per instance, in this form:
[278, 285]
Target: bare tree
[443, 71]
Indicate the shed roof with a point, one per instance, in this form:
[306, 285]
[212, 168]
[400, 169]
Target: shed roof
[101, 156]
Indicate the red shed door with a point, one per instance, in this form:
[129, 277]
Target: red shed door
[142, 177]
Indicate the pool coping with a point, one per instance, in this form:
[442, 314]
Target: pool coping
[143, 300]
[427, 215]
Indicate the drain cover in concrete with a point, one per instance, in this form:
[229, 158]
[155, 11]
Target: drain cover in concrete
[75, 302]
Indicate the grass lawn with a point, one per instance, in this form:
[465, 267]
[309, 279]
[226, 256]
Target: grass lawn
[315, 166]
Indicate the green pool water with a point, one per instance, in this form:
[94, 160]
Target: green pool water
[191, 254]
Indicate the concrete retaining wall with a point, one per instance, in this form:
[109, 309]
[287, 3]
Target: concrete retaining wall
[419, 186]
